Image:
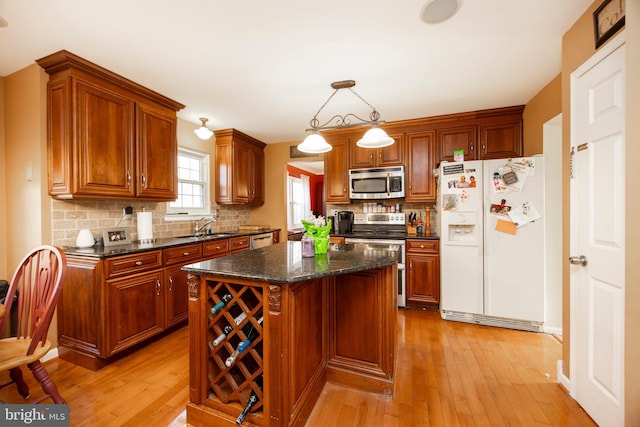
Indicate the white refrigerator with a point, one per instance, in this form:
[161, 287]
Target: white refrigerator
[492, 231]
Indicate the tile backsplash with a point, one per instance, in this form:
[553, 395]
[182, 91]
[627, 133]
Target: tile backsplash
[70, 216]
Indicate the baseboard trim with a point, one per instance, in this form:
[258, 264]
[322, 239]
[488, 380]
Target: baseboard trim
[562, 379]
[51, 354]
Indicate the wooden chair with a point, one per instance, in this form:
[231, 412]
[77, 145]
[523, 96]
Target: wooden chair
[38, 281]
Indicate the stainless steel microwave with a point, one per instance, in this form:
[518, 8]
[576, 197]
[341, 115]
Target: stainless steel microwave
[376, 183]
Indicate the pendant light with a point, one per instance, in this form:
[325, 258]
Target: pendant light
[203, 132]
[375, 137]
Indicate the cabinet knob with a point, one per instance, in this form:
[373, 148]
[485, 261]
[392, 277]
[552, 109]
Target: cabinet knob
[157, 287]
[421, 246]
[138, 262]
[128, 178]
[144, 181]
[185, 254]
[170, 283]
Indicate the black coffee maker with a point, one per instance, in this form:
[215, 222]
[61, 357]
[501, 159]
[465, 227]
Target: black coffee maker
[345, 222]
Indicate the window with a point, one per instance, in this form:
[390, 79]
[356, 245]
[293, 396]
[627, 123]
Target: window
[193, 184]
[299, 199]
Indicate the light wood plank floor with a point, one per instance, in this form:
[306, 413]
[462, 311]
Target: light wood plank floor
[448, 374]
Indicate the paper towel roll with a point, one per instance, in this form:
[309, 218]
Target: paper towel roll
[145, 226]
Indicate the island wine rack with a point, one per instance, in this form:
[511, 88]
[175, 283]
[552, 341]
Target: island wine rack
[241, 316]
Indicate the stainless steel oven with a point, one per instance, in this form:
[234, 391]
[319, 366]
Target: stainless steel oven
[374, 244]
[380, 230]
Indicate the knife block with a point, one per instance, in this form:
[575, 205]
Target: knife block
[412, 230]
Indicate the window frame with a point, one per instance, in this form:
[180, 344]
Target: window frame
[182, 213]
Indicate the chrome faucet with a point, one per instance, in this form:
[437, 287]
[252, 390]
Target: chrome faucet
[199, 228]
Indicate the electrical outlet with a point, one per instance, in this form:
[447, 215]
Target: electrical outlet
[127, 212]
[334, 212]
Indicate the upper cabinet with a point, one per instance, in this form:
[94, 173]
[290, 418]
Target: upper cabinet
[107, 137]
[239, 168]
[392, 155]
[421, 160]
[336, 171]
[483, 135]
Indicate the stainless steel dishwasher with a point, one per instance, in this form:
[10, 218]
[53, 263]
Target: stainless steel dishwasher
[260, 240]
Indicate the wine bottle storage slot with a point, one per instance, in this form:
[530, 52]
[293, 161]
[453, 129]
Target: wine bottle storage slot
[235, 344]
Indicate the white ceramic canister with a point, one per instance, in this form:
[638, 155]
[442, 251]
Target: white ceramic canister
[85, 239]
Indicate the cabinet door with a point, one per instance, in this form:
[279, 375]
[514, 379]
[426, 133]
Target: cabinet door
[135, 309]
[105, 142]
[336, 172]
[392, 155]
[157, 149]
[500, 140]
[242, 162]
[257, 177]
[423, 279]
[421, 153]
[453, 139]
[176, 295]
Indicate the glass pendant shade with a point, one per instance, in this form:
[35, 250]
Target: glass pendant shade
[314, 144]
[203, 132]
[375, 138]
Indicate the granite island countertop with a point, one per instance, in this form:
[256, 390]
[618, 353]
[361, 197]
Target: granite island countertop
[283, 263]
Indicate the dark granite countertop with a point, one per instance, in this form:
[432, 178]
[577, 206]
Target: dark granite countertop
[161, 243]
[283, 263]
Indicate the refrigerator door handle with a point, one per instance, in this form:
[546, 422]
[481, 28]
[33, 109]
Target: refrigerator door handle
[578, 260]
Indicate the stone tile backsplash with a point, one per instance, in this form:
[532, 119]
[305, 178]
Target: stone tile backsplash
[70, 216]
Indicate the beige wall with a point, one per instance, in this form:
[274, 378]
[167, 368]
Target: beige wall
[25, 131]
[274, 211]
[4, 274]
[544, 106]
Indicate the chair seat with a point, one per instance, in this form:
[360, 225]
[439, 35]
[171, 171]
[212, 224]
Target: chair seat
[13, 352]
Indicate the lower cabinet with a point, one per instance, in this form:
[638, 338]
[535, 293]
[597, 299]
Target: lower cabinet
[135, 309]
[111, 304]
[423, 273]
[175, 281]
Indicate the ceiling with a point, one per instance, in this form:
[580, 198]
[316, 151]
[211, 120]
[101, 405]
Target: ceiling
[265, 67]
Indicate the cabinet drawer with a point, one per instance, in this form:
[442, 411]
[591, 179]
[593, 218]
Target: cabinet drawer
[215, 248]
[182, 254]
[238, 244]
[135, 263]
[422, 245]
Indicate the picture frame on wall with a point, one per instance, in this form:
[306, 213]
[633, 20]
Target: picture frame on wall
[608, 18]
[115, 236]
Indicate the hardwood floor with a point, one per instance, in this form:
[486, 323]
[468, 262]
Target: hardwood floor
[448, 374]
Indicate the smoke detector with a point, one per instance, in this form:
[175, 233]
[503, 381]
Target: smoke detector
[437, 11]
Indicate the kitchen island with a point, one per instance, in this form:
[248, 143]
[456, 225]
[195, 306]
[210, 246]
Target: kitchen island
[299, 322]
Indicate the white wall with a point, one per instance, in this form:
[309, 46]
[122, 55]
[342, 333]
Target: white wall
[552, 148]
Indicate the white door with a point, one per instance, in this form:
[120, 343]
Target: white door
[597, 234]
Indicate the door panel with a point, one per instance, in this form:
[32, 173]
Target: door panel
[597, 233]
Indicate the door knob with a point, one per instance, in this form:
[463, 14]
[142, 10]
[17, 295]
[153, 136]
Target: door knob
[578, 260]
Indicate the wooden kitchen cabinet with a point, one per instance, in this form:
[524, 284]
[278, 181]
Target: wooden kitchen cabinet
[238, 244]
[457, 138]
[107, 137]
[239, 168]
[420, 185]
[423, 273]
[111, 304]
[336, 171]
[392, 155]
[135, 310]
[175, 281]
[483, 135]
[500, 139]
